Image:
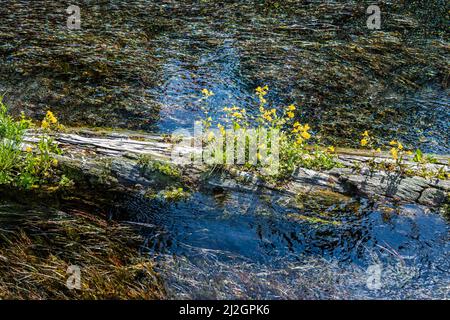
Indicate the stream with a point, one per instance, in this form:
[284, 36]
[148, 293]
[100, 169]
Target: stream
[233, 245]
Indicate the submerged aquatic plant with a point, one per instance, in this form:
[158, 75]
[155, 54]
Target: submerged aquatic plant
[107, 253]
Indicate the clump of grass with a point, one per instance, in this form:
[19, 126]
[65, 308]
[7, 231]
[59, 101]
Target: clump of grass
[23, 165]
[34, 260]
[150, 165]
[399, 154]
[174, 194]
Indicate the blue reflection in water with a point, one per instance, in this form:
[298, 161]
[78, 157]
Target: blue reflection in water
[411, 246]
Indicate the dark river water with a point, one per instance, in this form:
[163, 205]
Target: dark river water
[143, 64]
[235, 245]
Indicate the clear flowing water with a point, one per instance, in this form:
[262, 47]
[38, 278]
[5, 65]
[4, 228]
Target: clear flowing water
[238, 245]
[420, 119]
[232, 53]
[233, 245]
[143, 65]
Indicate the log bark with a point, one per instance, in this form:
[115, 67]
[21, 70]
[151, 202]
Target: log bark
[88, 151]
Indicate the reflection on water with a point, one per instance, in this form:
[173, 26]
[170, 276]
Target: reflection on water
[235, 245]
[216, 68]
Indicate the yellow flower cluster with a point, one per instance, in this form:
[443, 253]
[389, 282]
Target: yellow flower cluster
[269, 114]
[302, 132]
[290, 111]
[261, 92]
[221, 128]
[394, 153]
[366, 138]
[397, 148]
[207, 93]
[396, 143]
[235, 112]
[50, 121]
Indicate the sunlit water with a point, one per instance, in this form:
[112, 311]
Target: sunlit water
[143, 64]
[235, 245]
[226, 64]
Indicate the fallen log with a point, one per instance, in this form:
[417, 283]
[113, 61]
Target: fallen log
[111, 158]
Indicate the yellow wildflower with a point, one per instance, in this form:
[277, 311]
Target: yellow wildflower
[299, 141]
[268, 116]
[365, 134]
[306, 135]
[237, 115]
[290, 114]
[28, 149]
[394, 153]
[331, 149]
[221, 128]
[55, 162]
[399, 146]
[364, 142]
[45, 124]
[207, 93]
[378, 150]
[51, 117]
[262, 91]
[291, 108]
[393, 143]
[211, 136]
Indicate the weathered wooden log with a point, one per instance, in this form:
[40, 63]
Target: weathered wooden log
[87, 151]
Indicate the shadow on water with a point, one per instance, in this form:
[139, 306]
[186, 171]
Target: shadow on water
[236, 245]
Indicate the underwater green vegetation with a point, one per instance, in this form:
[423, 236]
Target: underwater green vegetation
[36, 252]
